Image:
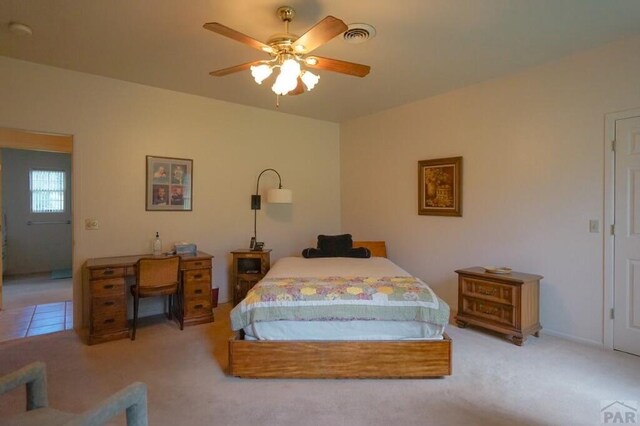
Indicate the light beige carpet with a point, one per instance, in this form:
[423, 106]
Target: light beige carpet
[548, 381]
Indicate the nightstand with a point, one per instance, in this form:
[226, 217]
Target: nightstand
[249, 266]
[506, 303]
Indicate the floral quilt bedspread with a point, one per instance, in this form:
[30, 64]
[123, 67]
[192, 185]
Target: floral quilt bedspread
[340, 299]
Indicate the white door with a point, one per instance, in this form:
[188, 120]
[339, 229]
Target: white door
[626, 335]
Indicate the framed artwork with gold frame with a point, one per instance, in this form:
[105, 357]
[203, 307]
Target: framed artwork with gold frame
[440, 187]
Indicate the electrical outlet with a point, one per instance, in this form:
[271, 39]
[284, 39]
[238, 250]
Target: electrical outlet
[594, 226]
[91, 224]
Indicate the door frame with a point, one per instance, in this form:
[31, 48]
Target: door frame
[609, 219]
[50, 142]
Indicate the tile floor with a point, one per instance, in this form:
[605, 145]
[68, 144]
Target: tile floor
[36, 319]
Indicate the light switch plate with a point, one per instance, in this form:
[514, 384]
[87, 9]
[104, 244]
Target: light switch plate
[91, 224]
[594, 226]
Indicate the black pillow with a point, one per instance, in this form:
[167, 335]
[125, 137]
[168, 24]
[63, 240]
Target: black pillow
[360, 252]
[335, 245]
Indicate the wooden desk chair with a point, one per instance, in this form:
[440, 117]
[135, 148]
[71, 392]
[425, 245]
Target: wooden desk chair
[132, 400]
[157, 276]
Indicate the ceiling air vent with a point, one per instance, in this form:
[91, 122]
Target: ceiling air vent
[359, 33]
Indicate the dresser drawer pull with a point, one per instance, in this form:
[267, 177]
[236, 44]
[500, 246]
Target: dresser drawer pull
[198, 306]
[108, 272]
[488, 291]
[198, 291]
[197, 263]
[488, 311]
[109, 321]
[109, 303]
[197, 277]
[107, 286]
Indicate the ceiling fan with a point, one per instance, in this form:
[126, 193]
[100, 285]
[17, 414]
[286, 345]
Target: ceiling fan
[290, 53]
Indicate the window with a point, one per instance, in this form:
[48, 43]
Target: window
[47, 191]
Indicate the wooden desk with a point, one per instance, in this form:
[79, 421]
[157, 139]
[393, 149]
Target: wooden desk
[108, 279]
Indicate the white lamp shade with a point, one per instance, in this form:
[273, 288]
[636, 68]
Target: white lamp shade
[280, 196]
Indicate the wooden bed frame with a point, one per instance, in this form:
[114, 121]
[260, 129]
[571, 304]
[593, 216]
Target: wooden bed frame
[341, 359]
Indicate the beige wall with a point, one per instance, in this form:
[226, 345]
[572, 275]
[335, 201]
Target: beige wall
[115, 124]
[533, 148]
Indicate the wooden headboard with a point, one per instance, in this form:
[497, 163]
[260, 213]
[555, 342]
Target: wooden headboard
[378, 248]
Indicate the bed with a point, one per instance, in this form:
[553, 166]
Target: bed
[356, 322]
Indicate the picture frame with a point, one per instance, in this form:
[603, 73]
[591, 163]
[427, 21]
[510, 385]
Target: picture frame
[169, 184]
[440, 187]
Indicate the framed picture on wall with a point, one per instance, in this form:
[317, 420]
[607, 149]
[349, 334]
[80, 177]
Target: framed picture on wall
[440, 187]
[169, 184]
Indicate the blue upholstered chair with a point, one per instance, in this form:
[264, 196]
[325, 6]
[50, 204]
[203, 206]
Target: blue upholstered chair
[133, 399]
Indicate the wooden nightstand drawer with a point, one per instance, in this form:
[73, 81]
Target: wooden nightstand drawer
[106, 273]
[196, 264]
[488, 310]
[107, 287]
[198, 289]
[197, 307]
[488, 290]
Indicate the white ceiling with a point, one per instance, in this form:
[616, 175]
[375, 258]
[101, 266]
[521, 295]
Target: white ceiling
[423, 47]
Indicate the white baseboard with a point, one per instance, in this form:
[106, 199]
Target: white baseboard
[573, 338]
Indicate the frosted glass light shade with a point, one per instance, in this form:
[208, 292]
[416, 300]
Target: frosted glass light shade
[280, 196]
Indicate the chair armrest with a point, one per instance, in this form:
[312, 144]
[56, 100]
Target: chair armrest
[35, 377]
[133, 399]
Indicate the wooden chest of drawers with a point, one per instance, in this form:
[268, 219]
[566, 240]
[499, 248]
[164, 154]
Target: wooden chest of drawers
[506, 303]
[249, 267]
[109, 279]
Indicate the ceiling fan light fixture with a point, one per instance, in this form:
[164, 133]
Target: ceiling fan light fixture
[311, 60]
[309, 79]
[261, 72]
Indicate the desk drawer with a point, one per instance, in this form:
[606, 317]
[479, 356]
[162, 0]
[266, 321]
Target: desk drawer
[107, 288]
[108, 314]
[98, 273]
[496, 312]
[197, 276]
[197, 289]
[196, 264]
[488, 290]
[198, 306]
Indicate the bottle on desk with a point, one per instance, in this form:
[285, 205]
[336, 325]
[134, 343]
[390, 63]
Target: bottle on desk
[157, 245]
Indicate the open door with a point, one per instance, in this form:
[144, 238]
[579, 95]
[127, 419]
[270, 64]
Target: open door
[21, 139]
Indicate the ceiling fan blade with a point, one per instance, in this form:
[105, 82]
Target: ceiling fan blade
[237, 36]
[337, 65]
[230, 70]
[319, 34]
[298, 90]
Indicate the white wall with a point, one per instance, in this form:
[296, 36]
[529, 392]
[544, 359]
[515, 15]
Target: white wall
[34, 248]
[115, 124]
[533, 148]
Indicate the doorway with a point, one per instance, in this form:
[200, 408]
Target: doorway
[36, 284]
[623, 252]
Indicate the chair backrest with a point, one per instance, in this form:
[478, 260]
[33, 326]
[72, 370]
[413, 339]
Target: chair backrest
[157, 271]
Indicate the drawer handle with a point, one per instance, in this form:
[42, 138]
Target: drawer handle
[108, 272]
[109, 321]
[197, 263]
[197, 277]
[488, 311]
[107, 286]
[198, 291]
[109, 303]
[199, 306]
[488, 291]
